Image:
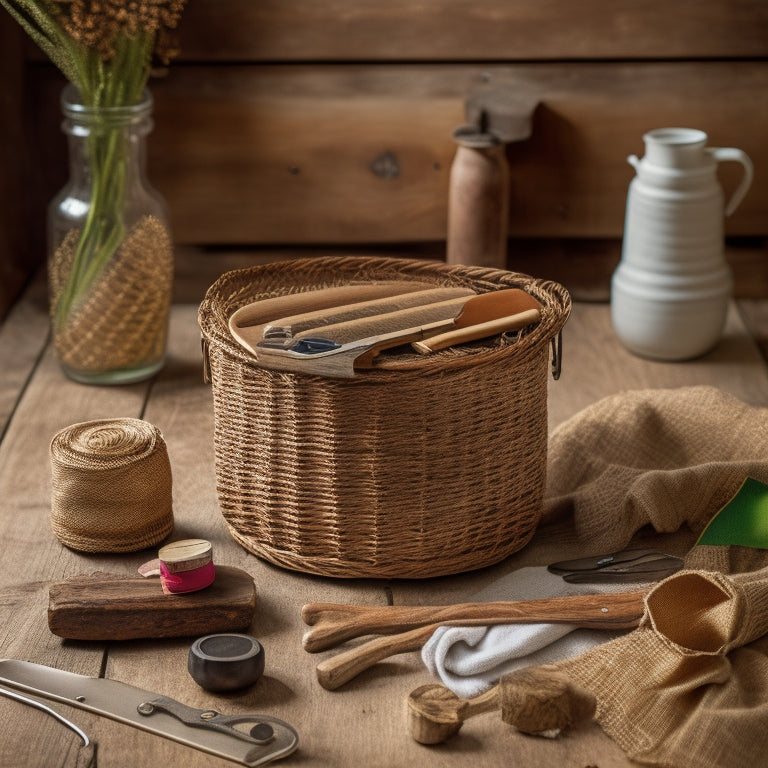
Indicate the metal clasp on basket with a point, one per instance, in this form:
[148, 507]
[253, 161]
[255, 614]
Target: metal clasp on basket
[510, 337]
[557, 355]
[206, 360]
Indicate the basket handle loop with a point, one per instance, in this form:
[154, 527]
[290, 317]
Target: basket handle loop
[557, 354]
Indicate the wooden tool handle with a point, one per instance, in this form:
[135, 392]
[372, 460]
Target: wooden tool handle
[334, 623]
[317, 319]
[440, 312]
[265, 310]
[619, 611]
[333, 672]
[479, 331]
[247, 324]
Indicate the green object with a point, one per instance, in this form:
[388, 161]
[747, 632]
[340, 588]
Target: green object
[743, 520]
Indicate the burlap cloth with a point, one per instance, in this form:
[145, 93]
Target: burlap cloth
[111, 486]
[689, 687]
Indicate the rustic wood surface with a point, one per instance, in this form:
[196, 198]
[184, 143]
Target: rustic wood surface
[336, 30]
[361, 153]
[320, 123]
[291, 31]
[362, 723]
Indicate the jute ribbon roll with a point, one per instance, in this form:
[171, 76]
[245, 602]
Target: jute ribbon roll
[111, 486]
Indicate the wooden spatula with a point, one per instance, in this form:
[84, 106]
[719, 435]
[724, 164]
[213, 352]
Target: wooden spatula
[512, 309]
[286, 328]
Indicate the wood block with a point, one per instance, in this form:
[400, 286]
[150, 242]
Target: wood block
[101, 606]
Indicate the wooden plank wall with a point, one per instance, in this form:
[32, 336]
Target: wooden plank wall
[16, 255]
[326, 123]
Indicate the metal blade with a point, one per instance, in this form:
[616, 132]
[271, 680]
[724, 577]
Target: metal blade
[124, 703]
[626, 576]
[603, 561]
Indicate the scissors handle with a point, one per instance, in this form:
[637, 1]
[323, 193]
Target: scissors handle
[260, 733]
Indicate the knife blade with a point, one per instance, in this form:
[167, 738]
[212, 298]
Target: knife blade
[250, 739]
[624, 576]
[628, 567]
[595, 562]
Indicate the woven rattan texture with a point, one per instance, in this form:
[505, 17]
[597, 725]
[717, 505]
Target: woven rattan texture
[422, 466]
[121, 320]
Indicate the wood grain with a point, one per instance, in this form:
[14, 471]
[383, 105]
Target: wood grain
[619, 611]
[342, 30]
[362, 725]
[102, 607]
[332, 624]
[23, 336]
[322, 123]
[362, 153]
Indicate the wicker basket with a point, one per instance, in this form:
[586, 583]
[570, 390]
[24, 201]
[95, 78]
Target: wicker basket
[419, 467]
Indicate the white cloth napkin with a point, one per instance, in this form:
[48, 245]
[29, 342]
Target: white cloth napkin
[470, 660]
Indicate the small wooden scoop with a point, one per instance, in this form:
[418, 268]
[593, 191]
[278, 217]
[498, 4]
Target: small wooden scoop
[610, 611]
[536, 701]
[436, 713]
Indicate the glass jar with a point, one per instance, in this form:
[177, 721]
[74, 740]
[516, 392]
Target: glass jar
[110, 253]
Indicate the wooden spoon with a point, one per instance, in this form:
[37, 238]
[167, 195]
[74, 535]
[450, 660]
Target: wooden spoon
[618, 611]
[436, 713]
[334, 623]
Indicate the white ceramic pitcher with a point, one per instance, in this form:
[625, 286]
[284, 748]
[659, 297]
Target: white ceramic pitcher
[670, 292]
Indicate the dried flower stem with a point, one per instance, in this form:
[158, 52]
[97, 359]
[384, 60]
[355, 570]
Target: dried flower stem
[104, 48]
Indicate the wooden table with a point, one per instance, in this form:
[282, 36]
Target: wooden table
[362, 724]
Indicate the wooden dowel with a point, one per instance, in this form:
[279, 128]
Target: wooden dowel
[334, 623]
[619, 611]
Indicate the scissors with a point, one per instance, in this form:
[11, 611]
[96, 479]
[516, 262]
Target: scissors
[625, 566]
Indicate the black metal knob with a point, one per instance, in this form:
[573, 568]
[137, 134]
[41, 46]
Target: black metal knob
[225, 662]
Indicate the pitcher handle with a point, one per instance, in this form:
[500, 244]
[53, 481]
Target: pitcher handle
[736, 155]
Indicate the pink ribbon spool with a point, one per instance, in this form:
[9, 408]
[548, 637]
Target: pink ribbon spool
[186, 581]
[184, 566]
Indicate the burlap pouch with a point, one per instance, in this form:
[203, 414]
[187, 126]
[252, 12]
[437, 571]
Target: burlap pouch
[689, 687]
[110, 486]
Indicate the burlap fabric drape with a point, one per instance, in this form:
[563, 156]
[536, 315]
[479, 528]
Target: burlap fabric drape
[111, 488]
[689, 687]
